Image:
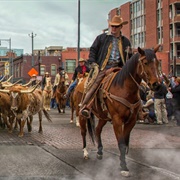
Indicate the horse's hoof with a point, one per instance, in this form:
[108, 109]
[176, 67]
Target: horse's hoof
[86, 157]
[20, 135]
[99, 156]
[125, 173]
[77, 124]
[71, 121]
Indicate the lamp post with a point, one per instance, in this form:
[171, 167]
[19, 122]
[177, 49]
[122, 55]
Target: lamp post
[32, 37]
[78, 44]
[10, 54]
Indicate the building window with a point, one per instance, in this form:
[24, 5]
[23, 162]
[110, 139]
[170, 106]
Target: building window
[178, 51]
[178, 70]
[70, 65]
[53, 69]
[178, 9]
[43, 68]
[118, 11]
[178, 30]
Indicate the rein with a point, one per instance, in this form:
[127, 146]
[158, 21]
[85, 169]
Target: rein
[141, 74]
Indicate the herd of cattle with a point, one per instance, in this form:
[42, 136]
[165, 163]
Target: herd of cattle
[18, 104]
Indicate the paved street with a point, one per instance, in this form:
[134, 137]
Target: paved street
[57, 153]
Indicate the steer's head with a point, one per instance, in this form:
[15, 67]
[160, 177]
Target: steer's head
[19, 97]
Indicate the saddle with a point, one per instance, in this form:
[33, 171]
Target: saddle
[103, 90]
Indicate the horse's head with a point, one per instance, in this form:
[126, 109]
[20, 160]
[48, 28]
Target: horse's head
[148, 67]
[48, 81]
[62, 76]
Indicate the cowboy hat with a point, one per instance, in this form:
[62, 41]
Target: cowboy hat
[34, 75]
[60, 68]
[82, 60]
[117, 21]
[46, 73]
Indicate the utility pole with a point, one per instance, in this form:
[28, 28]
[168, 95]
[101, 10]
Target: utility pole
[32, 37]
[78, 45]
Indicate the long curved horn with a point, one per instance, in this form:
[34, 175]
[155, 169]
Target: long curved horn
[10, 85]
[9, 78]
[2, 78]
[4, 90]
[31, 89]
[27, 83]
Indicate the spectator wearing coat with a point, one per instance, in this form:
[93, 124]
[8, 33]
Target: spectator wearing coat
[160, 104]
[176, 100]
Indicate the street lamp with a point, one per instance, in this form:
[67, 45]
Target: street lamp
[32, 37]
[78, 44]
[10, 54]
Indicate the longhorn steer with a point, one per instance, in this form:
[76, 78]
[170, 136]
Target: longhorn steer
[26, 103]
[7, 115]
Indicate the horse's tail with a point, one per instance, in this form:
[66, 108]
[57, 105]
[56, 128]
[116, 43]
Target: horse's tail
[48, 117]
[91, 127]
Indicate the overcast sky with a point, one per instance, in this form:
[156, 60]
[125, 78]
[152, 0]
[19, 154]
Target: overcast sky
[55, 22]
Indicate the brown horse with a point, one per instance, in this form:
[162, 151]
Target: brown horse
[119, 102]
[60, 93]
[75, 99]
[47, 94]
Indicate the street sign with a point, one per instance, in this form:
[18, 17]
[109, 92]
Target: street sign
[32, 71]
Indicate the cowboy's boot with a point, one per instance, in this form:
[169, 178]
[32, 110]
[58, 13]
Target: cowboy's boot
[89, 97]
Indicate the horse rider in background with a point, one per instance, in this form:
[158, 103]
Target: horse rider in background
[109, 50]
[81, 70]
[34, 80]
[44, 80]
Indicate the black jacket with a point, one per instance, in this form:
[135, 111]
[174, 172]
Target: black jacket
[161, 92]
[99, 48]
[176, 94]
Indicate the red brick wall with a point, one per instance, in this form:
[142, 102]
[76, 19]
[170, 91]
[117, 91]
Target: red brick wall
[125, 14]
[151, 23]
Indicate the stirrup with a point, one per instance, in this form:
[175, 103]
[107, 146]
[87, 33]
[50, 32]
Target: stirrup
[85, 113]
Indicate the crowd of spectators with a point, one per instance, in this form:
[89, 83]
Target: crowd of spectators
[163, 105]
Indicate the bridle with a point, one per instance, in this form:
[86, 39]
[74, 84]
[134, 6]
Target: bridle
[142, 73]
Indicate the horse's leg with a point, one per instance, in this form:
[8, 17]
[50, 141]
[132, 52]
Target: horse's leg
[122, 132]
[72, 114]
[100, 125]
[40, 122]
[49, 103]
[118, 129]
[82, 122]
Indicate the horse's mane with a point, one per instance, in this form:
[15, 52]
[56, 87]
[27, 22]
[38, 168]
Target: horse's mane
[130, 67]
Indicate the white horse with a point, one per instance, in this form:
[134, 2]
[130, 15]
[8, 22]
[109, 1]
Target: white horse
[47, 94]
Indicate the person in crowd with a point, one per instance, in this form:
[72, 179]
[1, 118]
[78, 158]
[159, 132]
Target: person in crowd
[57, 78]
[44, 80]
[80, 71]
[149, 107]
[109, 50]
[176, 100]
[34, 80]
[143, 94]
[160, 104]
[172, 81]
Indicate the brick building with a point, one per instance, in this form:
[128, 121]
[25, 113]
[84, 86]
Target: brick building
[47, 60]
[153, 22]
